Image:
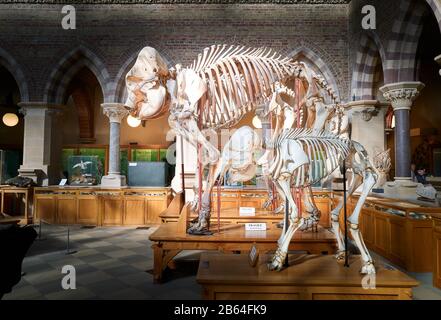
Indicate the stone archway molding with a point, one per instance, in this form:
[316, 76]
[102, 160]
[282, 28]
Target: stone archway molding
[66, 69]
[8, 61]
[366, 63]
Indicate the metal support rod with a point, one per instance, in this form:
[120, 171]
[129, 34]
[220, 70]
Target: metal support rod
[218, 204]
[345, 210]
[68, 252]
[182, 167]
[39, 231]
[285, 227]
[219, 146]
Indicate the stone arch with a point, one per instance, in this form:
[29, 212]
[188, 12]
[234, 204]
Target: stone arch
[435, 5]
[8, 61]
[118, 86]
[317, 64]
[370, 56]
[403, 45]
[66, 69]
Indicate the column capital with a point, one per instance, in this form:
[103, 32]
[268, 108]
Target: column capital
[50, 107]
[402, 94]
[116, 112]
[367, 108]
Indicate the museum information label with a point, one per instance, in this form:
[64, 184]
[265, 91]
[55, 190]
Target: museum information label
[247, 212]
[255, 226]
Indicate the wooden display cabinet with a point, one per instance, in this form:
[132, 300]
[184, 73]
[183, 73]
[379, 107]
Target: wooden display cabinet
[397, 230]
[88, 208]
[436, 250]
[16, 203]
[101, 207]
[233, 199]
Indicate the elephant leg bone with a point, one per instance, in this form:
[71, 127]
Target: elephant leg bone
[295, 223]
[203, 223]
[368, 266]
[314, 214]
[335, 215]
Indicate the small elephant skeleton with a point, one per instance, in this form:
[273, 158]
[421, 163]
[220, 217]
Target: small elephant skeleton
[222, 85]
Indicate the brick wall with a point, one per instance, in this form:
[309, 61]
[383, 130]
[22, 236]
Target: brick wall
[32, 34]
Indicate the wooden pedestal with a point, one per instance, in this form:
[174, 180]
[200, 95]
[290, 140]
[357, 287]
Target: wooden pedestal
[309, 277]
[171, 238]
[437, 250]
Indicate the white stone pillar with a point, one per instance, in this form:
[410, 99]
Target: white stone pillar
[190, 166]
[401, 96]
[116, 113]
[368, 124]
[42, 143]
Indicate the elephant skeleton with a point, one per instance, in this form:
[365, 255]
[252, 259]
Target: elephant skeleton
[216, 91]
[221, 86]
[304, 157]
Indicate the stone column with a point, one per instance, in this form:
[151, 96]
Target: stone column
[116, 113]
[42, 143]
[368, 124]
[401, 96]
[190, 167]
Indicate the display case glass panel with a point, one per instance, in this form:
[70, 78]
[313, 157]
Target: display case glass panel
[124, 160]
[144, 155]
[65, 154]
[85, 170]
[10, 161]
[99, 152]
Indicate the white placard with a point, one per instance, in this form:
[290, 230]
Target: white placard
[255, 234]
[247, 212]
[255, 226]
[63, 182]
[133, 164]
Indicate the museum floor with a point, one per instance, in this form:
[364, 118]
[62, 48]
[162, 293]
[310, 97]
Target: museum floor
[115, 263]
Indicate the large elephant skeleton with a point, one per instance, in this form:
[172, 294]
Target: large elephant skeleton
[216, 91]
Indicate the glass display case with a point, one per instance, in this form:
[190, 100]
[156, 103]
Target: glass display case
[10, 161]
[400, 231]
[128, 153]
[84, 170]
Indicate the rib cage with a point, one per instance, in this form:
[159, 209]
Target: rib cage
[238, 79]
[323, 147]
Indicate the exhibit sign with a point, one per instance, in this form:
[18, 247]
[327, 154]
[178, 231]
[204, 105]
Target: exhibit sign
[247, 212]
[253, 256]
[255, 226]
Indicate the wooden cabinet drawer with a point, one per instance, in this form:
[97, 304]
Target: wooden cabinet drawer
[437, 225]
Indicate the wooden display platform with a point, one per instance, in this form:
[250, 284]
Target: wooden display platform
[16, 203]
[436, 249]
[309, 277]
[171, 238]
